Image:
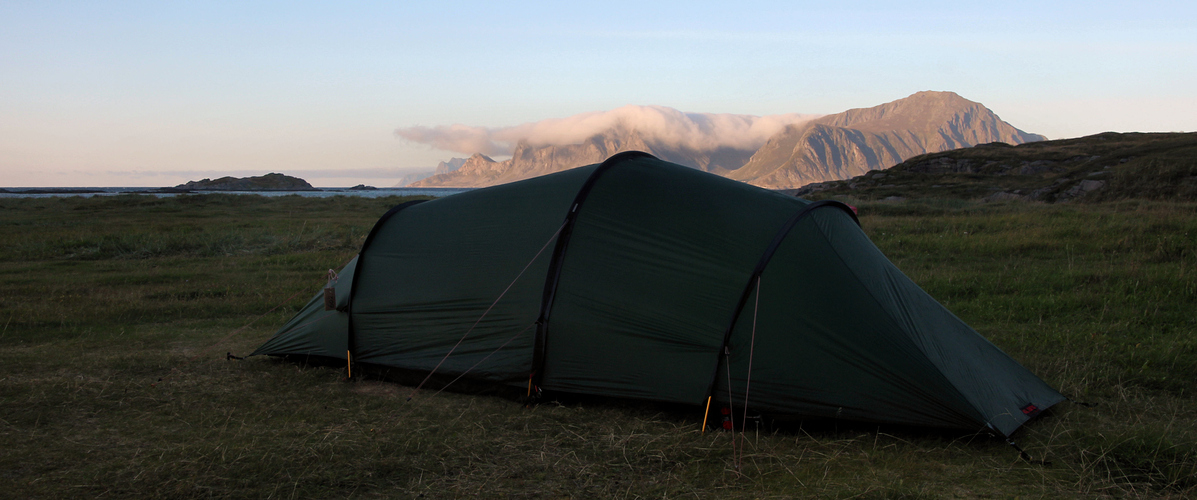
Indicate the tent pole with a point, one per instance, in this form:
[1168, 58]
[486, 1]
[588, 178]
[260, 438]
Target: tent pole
[778, 238]
[553, 276]
[349, 363]
[706, 414]
[351, 338]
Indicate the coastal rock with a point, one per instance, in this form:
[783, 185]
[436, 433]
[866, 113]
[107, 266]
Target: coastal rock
[268, 182]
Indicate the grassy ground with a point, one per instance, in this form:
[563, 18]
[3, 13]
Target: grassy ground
[1158, 166]
[101, 298]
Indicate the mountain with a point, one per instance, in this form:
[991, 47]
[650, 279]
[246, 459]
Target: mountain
[831, 147]
[529, 161]
[407, 179]
[443, 167]
[1102, 167]
[856, 141]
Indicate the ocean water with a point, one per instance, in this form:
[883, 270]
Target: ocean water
[26, 192]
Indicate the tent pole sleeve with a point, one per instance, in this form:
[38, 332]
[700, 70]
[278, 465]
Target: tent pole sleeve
[351, 341]
[553, 277]
[760, 268]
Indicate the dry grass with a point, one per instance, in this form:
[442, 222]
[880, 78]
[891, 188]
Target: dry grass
[1097, 299]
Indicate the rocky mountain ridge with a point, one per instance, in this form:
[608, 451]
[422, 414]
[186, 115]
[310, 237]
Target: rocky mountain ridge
[856, 141]
[529, 161]
[832, 147]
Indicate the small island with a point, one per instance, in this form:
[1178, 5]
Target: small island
[268, 182]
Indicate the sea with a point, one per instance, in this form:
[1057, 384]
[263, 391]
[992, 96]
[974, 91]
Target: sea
[32, 192]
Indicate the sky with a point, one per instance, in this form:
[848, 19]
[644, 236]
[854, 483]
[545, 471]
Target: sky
[159, 93]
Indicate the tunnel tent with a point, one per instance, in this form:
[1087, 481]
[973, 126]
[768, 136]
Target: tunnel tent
[639, 278]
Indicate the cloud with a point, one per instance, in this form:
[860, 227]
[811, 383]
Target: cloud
[460, 138]
[668, 126]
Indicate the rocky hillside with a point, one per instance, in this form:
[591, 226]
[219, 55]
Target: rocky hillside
[1100, 167]
[268, 182]
[831, 147]
[856, 141]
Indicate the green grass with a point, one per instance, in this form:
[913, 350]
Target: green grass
[115, 314]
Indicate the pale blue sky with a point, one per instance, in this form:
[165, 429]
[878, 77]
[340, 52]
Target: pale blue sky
[158, 93]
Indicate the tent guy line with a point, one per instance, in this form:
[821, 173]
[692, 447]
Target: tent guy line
[747, 377]
[484, 313]
[475, 365]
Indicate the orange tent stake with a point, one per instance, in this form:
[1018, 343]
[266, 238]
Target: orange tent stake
[704, 415]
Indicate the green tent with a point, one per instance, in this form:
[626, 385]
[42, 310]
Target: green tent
[639, 278]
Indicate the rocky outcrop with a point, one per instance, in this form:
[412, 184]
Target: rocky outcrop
[1080, 189]
[856, 141]
[1102, 167]
[268, 182]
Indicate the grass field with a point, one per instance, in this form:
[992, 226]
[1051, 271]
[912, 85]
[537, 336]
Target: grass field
[117, 313]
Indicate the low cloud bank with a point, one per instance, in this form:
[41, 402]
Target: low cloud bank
[699, 131]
